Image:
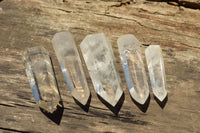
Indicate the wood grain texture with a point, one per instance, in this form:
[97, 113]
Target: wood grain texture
[25, 24]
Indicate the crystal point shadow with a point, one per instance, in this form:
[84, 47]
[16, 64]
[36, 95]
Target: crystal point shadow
[117, 107]
[86, 106]
[161, 103]
[142, 107]
[56, 116]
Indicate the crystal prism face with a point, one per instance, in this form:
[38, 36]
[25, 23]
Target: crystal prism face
[156, 71]
[130, 53]
[70, 63]
[99, 58]
[41, 78]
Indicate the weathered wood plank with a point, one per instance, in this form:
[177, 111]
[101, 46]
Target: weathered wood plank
[25, 24]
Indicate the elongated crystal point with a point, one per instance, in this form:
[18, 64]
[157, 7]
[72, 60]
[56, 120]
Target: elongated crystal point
[130, 53]
[70, 63]
[99, 59]
[41, 78]
[156, 71]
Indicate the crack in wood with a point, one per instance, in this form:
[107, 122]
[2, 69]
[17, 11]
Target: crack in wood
[7, 105]
[15, 105]
[60, 9]
[123, 3]
[156, 12]
[18, 131]
[184, 3]
[193, 47]
[119, 4]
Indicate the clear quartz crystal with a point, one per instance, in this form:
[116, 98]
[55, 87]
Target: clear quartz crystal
[99, 58]
[130, 53]
[156, 71]
[71, 66]
[41, 78]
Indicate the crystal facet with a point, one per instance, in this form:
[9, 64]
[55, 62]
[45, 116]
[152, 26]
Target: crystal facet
[130, 53]
[41, 78]
[100, 62]
[156, 71]
[71, 66]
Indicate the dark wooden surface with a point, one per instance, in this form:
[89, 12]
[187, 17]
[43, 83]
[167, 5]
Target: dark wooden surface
[28, 23]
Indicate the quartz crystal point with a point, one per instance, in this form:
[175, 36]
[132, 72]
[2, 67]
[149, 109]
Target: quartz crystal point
[130, 53]
[156, 71]
[70, 63]
[99, 58]
[41, 78]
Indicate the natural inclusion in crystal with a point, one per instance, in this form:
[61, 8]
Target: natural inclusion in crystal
[41, 78]
[99, 58]
[70, 63]
[130, 54]
[156, 71]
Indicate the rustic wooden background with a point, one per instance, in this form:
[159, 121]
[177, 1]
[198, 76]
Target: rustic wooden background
[175, 25]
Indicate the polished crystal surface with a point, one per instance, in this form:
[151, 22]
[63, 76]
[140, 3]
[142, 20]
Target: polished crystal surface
[156, 71]
[130, 53]
[70, 63]
[41, 78]
[100, 62]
